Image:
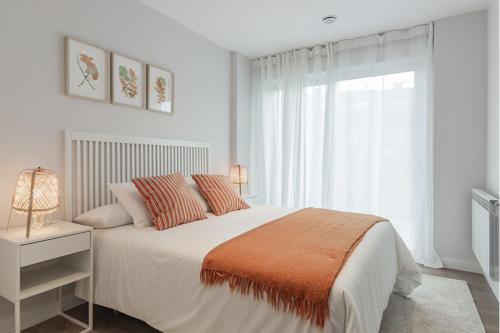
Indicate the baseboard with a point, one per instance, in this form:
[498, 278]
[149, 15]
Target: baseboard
[30, 318]
[460, 265]
[38, 310]
[71, 301]
[37, 317]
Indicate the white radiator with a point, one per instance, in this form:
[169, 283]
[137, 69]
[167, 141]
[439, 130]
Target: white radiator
[485, 235]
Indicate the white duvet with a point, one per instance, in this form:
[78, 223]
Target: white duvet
[154, 276]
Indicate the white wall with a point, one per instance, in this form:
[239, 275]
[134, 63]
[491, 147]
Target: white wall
[492, 179]
[242, 86]
[34, 110]
[242, 94]
[459, 131]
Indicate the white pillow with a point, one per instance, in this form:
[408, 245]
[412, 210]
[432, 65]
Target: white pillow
[132, 202]
[108, 216]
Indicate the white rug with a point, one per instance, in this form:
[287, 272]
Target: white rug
[439, 305]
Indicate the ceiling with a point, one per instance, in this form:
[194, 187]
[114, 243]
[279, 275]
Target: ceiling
[262, 27]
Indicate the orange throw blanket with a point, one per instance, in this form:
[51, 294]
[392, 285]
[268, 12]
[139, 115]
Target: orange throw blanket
[291, 261]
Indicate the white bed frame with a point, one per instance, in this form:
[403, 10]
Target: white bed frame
[93, 160]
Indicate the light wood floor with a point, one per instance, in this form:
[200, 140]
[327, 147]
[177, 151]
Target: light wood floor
[106, 321]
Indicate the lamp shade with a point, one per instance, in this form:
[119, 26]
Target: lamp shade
[42, 186]
[238, 174]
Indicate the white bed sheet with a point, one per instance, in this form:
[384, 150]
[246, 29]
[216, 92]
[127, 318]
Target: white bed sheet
[154, 276]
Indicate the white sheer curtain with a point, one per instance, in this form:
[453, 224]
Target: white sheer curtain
[348, 126]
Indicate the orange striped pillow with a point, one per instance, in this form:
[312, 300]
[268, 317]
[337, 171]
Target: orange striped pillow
[219, 194]
[169, 200]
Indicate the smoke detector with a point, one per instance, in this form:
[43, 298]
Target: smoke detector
[329, 19]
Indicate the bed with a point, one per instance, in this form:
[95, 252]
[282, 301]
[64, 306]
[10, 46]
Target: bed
[155, 276]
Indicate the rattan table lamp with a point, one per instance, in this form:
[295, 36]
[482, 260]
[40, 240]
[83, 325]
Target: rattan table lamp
[36, 194]
[239, 175]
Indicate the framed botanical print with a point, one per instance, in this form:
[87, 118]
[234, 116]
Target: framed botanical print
[160, 90]
[87, 70]
[127, 82]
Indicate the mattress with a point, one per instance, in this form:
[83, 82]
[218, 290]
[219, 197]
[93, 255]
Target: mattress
[154, 276]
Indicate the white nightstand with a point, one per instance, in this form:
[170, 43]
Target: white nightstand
[250, 198]
[51, 258]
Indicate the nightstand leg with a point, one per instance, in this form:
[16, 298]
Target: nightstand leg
[59, 299]
[91, 303]
[17, 317]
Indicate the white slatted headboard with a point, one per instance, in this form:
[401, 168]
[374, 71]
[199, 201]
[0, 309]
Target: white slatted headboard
[93, 160]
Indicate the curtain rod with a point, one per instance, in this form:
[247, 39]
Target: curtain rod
[323, 45]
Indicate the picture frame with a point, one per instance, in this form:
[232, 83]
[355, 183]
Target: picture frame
[160, 89]
[86, 70]
[127, 81]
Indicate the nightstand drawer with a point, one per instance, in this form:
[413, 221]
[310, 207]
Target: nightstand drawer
[54, 248]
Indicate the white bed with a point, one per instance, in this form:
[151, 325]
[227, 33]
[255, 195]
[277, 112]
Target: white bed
[154, 276]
